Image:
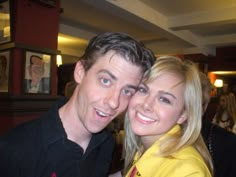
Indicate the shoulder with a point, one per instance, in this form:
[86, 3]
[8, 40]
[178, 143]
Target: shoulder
[185, 162]
[19, 145]
[188, 160]
[30, 131]
[108, 137]
[188, 168]
[221, 135]
[234, 129]
[21, 134]
[45, 79]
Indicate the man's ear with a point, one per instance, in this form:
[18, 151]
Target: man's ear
[182, 118]
[79, 72]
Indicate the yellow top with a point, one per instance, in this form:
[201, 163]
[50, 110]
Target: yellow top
[185, 162]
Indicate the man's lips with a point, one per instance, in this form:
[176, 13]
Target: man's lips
[103, 114]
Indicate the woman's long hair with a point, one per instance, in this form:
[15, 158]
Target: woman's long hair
[191, 128]
[230, 109]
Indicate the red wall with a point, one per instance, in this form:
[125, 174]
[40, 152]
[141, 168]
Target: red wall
[34, 27]
[36, 24]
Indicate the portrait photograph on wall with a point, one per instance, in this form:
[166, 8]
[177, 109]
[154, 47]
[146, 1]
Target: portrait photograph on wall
[4, 70]
[37, 76]
[5, 29]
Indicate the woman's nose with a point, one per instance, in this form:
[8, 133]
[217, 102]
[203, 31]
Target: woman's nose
[148, 103]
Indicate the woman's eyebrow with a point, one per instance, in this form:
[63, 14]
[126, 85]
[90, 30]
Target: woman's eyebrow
[167, 93]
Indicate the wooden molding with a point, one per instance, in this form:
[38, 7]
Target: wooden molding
[26, 104]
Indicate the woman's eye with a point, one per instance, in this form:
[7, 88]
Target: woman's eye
[105, 81]
[165, 100]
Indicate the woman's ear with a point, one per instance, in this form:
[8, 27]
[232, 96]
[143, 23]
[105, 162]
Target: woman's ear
[79, 72]
[182, 118]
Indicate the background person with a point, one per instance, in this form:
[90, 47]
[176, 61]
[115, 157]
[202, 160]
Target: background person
[220, 142]
[69, 88]
[225, 116]
[71, 139]
[163, 124]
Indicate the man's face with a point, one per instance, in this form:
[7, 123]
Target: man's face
[36, 69]
[105, 90]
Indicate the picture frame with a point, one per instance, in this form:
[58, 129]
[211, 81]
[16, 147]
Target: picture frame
[4, 70]
[37, 73]
[5, 21]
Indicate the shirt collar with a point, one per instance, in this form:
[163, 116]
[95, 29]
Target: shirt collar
[152, 151]
[53, 130]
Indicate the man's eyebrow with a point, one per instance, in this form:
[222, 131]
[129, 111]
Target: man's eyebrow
[133, 87]
[143, 84]
[115, 78]
[109, 73]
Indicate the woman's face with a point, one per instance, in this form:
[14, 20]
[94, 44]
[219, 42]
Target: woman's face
[223, 102]
[157, 106]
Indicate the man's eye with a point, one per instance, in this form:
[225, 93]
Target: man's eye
[128, 92]
[105, 82]
[142, 90]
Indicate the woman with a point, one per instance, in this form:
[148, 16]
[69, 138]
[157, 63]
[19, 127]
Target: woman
[226, 114]
[220, 142]
[163, 124]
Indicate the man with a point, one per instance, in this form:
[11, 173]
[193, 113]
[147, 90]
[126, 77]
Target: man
[221, 143]
[71, 139]
[37, 82]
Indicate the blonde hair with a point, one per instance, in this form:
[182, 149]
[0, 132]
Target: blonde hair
[206, 90]
[230, 108]
[191, 128]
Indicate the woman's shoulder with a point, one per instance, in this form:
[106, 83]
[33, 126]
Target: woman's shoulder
[188, 152]
[189, 155]
[234, 129]
[190, 160]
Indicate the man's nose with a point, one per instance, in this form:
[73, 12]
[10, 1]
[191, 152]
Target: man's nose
[113, 99]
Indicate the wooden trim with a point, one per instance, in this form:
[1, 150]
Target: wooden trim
[26, 104]
[29, 47]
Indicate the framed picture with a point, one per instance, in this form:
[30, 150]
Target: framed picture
[4, 70]
[5, 29]
[37, 78]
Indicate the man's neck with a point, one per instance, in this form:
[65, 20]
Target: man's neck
[73, 127]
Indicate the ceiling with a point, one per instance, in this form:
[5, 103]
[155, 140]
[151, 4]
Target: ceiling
[165, 26]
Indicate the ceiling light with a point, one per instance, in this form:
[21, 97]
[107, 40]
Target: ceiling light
[59, 60]
[218, 83]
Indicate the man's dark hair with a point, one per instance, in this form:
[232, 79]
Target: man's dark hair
[34, 56]
[122, 44]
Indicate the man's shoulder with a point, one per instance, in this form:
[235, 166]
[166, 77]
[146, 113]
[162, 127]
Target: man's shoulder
[22, 133]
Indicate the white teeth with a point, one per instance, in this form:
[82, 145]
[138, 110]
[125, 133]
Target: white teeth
[144, 117]
[101, 113]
